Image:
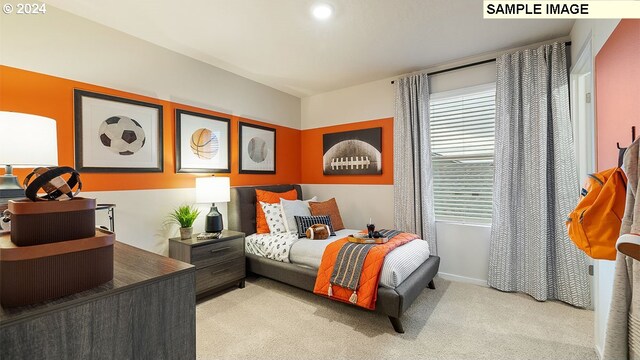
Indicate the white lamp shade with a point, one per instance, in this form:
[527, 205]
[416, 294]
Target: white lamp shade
[212, 190]
[27, 141]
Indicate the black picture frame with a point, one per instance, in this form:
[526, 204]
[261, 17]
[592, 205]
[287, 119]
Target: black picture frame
[354, 152]
[85, 164]
[265, 133]
[179, 132]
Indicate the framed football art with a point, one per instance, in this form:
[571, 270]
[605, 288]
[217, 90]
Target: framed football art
[114, 134]
[356, 152]
[202, 143]
[257, 149]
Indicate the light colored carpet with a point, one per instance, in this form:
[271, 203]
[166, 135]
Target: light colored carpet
[270, 320]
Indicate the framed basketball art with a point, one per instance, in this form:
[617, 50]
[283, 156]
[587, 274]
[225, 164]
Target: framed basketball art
[257, 149]
[114, 134]
[202, 143]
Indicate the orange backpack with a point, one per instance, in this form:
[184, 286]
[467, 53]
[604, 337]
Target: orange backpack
[594, 225]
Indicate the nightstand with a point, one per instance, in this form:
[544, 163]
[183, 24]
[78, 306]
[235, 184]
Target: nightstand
[219, 262]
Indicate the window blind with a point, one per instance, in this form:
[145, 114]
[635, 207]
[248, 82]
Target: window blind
[462, 125]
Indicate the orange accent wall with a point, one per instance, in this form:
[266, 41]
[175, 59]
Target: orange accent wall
[39, 94]
[617, 91]
[312, 155]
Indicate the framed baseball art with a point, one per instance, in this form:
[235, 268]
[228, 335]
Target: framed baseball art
[114, 134]
[202, 143]
[257, 149]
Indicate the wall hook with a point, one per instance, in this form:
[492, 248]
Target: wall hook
[633, 138]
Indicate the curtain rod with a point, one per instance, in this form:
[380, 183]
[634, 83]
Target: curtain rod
[567, 43]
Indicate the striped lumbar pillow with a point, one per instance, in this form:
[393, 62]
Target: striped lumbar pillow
[304, 222]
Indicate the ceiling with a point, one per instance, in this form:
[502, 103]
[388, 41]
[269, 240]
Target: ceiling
[278, 42]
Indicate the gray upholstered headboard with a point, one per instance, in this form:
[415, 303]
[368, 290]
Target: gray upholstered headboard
[241, 210]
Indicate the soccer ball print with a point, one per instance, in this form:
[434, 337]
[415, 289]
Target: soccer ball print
[122, 135]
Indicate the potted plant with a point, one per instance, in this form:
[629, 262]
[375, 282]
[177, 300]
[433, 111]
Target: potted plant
[185, 216]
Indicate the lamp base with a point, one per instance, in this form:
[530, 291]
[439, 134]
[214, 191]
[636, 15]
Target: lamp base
[10, 188]
[213, 221]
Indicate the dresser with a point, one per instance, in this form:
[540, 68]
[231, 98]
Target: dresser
[146, 312]
[220, 263]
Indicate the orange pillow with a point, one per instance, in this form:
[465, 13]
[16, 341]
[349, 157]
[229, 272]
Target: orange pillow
[271, 198]
[329, 207]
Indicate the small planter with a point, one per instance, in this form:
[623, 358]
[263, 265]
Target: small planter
[186, 233]
[184, 216]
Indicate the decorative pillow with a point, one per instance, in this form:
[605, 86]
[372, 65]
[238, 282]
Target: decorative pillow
[273, 214]
[318, 232]
[291, 208]
[305, 222]
[271, 198]
[329, 207]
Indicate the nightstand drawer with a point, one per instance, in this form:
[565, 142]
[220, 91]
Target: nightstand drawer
[205, 255]
[212, 276]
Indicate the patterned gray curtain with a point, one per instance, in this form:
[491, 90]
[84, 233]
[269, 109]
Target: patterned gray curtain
[413, 190]
[535, 184]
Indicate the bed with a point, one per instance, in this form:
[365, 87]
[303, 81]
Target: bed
[393, 299]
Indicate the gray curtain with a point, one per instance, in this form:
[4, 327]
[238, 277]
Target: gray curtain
[535, 184]
[413, 190]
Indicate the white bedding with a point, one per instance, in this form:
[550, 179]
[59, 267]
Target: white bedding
[286, 247]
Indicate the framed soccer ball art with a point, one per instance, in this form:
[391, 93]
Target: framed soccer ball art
[114, 134]
[202, 143]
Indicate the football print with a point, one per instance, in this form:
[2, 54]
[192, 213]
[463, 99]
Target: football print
[353, 152]
[122, 135]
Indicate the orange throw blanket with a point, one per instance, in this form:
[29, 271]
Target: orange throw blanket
[368, 289]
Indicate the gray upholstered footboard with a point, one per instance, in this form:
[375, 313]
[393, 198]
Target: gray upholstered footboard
[391, 302]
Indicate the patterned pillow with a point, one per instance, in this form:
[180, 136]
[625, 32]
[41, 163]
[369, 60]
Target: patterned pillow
[272, 198]
[304, 222]
[291, 208]
[273, 214]
[329, 207]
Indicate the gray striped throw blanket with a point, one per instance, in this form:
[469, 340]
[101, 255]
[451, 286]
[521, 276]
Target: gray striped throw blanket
[348, 266]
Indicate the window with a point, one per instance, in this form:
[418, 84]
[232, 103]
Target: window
[462, 143]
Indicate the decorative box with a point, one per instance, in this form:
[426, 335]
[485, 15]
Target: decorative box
[31, 274]
[42, 222]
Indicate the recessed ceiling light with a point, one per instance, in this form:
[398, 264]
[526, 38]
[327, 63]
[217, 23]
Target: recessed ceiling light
[322, 11]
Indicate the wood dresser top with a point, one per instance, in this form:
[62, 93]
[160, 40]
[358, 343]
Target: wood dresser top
[132, 267]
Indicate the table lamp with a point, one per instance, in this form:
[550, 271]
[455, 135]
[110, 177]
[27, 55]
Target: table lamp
[26, 141]
[213, 190]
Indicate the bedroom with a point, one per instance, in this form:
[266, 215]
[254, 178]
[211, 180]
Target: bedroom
[276, 66]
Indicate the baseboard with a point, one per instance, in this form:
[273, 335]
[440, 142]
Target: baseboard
[463, 279]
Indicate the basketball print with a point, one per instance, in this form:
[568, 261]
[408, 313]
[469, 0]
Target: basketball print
[122, 135]
[204, 144]
[257, 149]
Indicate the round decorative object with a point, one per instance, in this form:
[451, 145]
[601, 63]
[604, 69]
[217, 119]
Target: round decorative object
[122, 135]
[52, 182]
[257, 149]
[318, 232]
[204, 144]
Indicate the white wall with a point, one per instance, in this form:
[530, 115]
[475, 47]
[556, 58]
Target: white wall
[463, 248]
[357, 203]
[67, 46]
[370, 101]
[596, 32]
